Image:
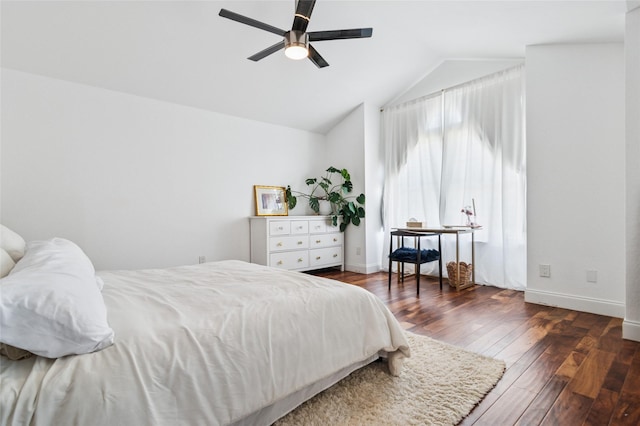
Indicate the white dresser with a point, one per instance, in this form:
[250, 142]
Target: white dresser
[298, 243]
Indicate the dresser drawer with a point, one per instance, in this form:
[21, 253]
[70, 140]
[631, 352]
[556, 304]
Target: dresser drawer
[325, 256]
[290, 242]
[317, 226]
[290, 259]
[299, 227]
[280, 227]
[325, 240]
[331, 228]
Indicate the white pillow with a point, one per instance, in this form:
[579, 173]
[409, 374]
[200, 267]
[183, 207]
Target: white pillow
[13, 243]
[6, 263]
[50, 304]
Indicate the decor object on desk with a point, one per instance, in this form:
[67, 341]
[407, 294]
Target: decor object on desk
[470, 211]
[270, 200]
[467, 211]
[332, 188]
[413, 223]
[462, 281]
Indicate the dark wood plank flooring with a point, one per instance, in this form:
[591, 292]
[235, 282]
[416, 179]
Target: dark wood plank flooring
[563, 367]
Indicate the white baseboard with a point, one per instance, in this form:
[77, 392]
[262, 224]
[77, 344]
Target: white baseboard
[363, 268]
[576, 303]
[631, 330]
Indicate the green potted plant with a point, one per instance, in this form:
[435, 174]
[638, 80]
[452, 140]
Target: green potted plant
[333, 187]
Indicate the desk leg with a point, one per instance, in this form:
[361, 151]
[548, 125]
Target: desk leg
[390, 261]
[440, 260]
[473, 257]
[458, 260]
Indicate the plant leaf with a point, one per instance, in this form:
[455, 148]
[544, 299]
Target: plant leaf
[360, 212]
[343, 226]
[311, 181]
[355, 220]
[291, 199]
[335, 197]
[360, 199]
[347, 186]
[314, 203]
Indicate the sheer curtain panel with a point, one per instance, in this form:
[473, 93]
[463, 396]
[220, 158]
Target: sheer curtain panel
[466, 143]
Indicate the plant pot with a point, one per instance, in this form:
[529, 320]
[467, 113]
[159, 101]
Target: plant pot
[325, 208]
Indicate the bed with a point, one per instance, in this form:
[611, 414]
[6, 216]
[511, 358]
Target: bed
[219, 343]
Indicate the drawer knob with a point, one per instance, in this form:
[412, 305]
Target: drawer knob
[318, 241]
[335, 240]
[299, 259]
[317, 257]
[279, 262]
[279, 244]
[335, 255]
[299, 242]
[280, 228]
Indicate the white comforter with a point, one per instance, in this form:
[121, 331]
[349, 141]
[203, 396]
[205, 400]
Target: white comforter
[202, 345]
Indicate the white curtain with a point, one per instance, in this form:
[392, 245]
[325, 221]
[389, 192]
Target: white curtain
[464, 144]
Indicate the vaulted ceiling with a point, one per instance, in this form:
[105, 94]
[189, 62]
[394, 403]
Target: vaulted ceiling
[183, 52]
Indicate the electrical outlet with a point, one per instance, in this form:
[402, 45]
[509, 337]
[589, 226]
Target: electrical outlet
[545, 270]
[202, 259]
[592, 276]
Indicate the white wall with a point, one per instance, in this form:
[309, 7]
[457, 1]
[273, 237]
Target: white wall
[631, 325]
[576, 178]
[374, 179]
[354, 144]
[136, 182]
[345, 149]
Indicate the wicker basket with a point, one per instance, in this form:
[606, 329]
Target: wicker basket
[464, 280]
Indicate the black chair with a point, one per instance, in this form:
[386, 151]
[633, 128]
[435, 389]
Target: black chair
[414, 255]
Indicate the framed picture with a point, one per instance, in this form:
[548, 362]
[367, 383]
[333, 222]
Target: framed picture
[270, 201]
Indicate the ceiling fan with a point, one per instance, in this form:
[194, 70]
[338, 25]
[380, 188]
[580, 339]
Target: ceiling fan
[296, 41]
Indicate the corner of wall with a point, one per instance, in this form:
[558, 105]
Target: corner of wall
[631, 330]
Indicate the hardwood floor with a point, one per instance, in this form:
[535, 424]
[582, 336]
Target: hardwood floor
[563, 367]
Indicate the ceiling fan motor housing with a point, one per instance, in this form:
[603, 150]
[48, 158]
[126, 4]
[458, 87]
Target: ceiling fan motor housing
[296, 44]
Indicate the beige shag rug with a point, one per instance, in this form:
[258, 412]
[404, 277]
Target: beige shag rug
[439, 385]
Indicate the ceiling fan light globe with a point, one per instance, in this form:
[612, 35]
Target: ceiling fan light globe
[296, 45]
[296, 52]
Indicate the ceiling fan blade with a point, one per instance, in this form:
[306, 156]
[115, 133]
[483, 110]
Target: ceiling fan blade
[268, 51]
[340, 34]
[251, 22]
[315, 57]
[303, 15]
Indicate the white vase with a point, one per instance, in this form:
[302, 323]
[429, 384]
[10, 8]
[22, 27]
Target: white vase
[325, 208]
